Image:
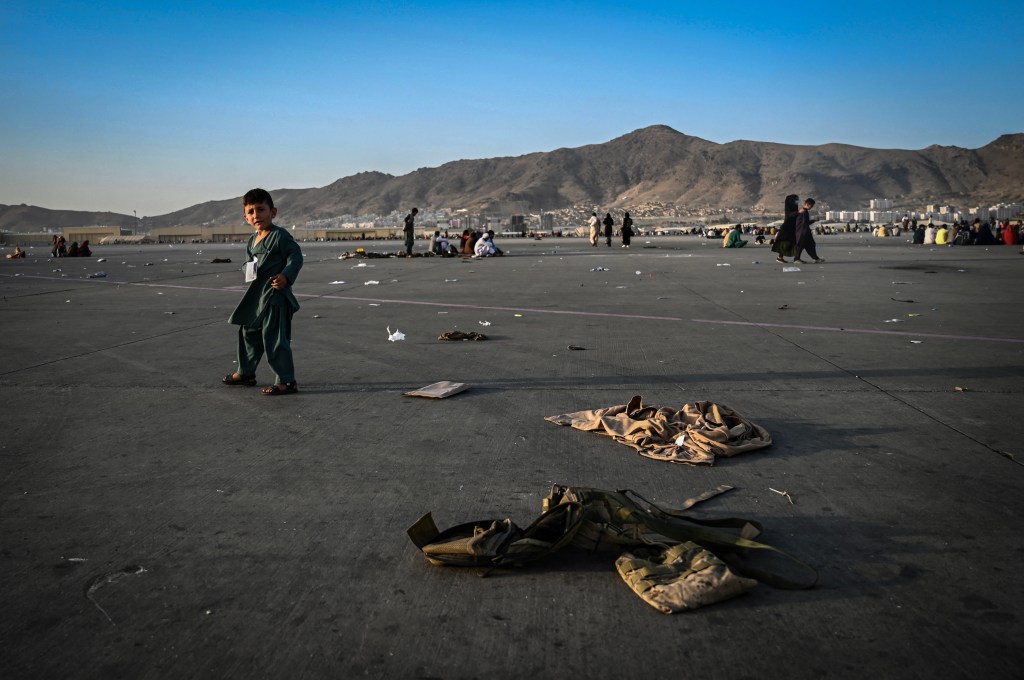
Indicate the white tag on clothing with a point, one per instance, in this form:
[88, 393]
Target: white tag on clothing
[250, 270]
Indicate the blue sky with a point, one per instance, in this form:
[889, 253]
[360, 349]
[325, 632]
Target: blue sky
[153, 107]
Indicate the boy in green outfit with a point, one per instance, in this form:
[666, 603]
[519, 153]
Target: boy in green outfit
[264, 316]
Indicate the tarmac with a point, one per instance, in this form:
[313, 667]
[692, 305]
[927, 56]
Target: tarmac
[158, 524]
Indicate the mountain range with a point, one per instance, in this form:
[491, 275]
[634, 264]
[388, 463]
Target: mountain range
[655, 164]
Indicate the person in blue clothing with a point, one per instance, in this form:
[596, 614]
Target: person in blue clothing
[264, 315]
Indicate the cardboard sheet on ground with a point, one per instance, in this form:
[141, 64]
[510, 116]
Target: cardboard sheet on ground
[695, 434]
[439, 390]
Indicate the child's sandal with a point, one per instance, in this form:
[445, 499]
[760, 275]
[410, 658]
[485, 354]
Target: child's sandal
[278, 388]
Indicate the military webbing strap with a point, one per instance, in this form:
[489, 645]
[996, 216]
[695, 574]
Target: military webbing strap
[666, 524]
[627, 512]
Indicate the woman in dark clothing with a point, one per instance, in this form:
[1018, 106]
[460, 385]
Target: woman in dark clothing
[983, 235]
[627, 230]
[608, 222]
[785, 241]
[84, 250]
[804, 233]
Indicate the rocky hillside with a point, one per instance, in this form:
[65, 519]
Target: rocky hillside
[659, 164]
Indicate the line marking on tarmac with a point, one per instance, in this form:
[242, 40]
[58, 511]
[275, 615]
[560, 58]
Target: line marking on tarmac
[567, 312]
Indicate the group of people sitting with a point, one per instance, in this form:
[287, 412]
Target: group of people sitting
[18, 253]
[62, 249]
[977, 234]
[473, 243]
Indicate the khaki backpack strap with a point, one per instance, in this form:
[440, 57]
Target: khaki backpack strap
[687, 529]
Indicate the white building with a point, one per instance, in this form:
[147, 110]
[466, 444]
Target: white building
[1006, 211]
[880, 204]
[881, 216]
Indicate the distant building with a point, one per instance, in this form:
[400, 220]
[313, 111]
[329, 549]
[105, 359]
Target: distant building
[880, 204]
[1006, 211]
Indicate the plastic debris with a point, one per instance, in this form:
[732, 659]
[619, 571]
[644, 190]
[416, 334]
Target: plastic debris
[484, 323]
[372, 283]
[723, 264]
[98, 275]
[374, 304]
[959, 389]
[916, 342]
[316, 316]
[450, 280]
[576, 348]
[894, 321]
[638, 272]
[396, 336]
[791, 269]
[599, 269]
[335, 283]
[102, 259]
[452, 336]
[439, 390]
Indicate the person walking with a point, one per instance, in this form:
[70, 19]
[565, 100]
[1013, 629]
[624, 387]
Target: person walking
[409, 229]
[608, 222]
[804, 233]
[593, 224]
[784, 244]
[627, 230]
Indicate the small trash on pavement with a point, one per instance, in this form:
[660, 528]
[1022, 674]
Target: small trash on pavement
[439, 390]
[791, 269]
[396, 336]
[453, 336]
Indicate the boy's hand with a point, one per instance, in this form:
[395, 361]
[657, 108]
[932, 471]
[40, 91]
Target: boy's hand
[279, 282]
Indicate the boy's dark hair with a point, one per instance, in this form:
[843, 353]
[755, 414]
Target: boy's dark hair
[256, 196]
[809, 201]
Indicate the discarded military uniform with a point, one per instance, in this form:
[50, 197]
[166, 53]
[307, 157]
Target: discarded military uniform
[665, 556]
[695, 434]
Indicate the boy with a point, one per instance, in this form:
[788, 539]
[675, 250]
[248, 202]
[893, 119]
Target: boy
[264, 316]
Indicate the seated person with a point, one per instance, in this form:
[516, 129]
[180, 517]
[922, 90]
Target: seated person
[920, 236]
[929, 235]
[72, 249]
[942, 236]
[84, 250]
[18, 252]
[494, 246]
[483, 247]
[733, 238]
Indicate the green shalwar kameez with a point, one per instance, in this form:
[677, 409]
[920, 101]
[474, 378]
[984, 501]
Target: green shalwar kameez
[264, 315]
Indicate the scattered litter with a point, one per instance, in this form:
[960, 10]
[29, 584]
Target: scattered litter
[791, 269]
[784, 307]
[453, 336]
[755, 262]
[783, 493]
[484, 323]
[599, 269]
[902, 283]
[894, 321]
[57, 270]
[898, 300]
[220, 260]
[723, 264]
[361, 264]
[914, 314]
[439, 390]
[959, 389]
[335, 283]
[681, 440]
[638, 272]
[517, 315]
[98, 275]
[374, 304]
[396, 336]
[576, 347]
[102, 259]
[450, 280]
[621, 287]
[316, 316]
[168, 312]
[372, 283]
[916, 342]
[99, 581]
[442, 312]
